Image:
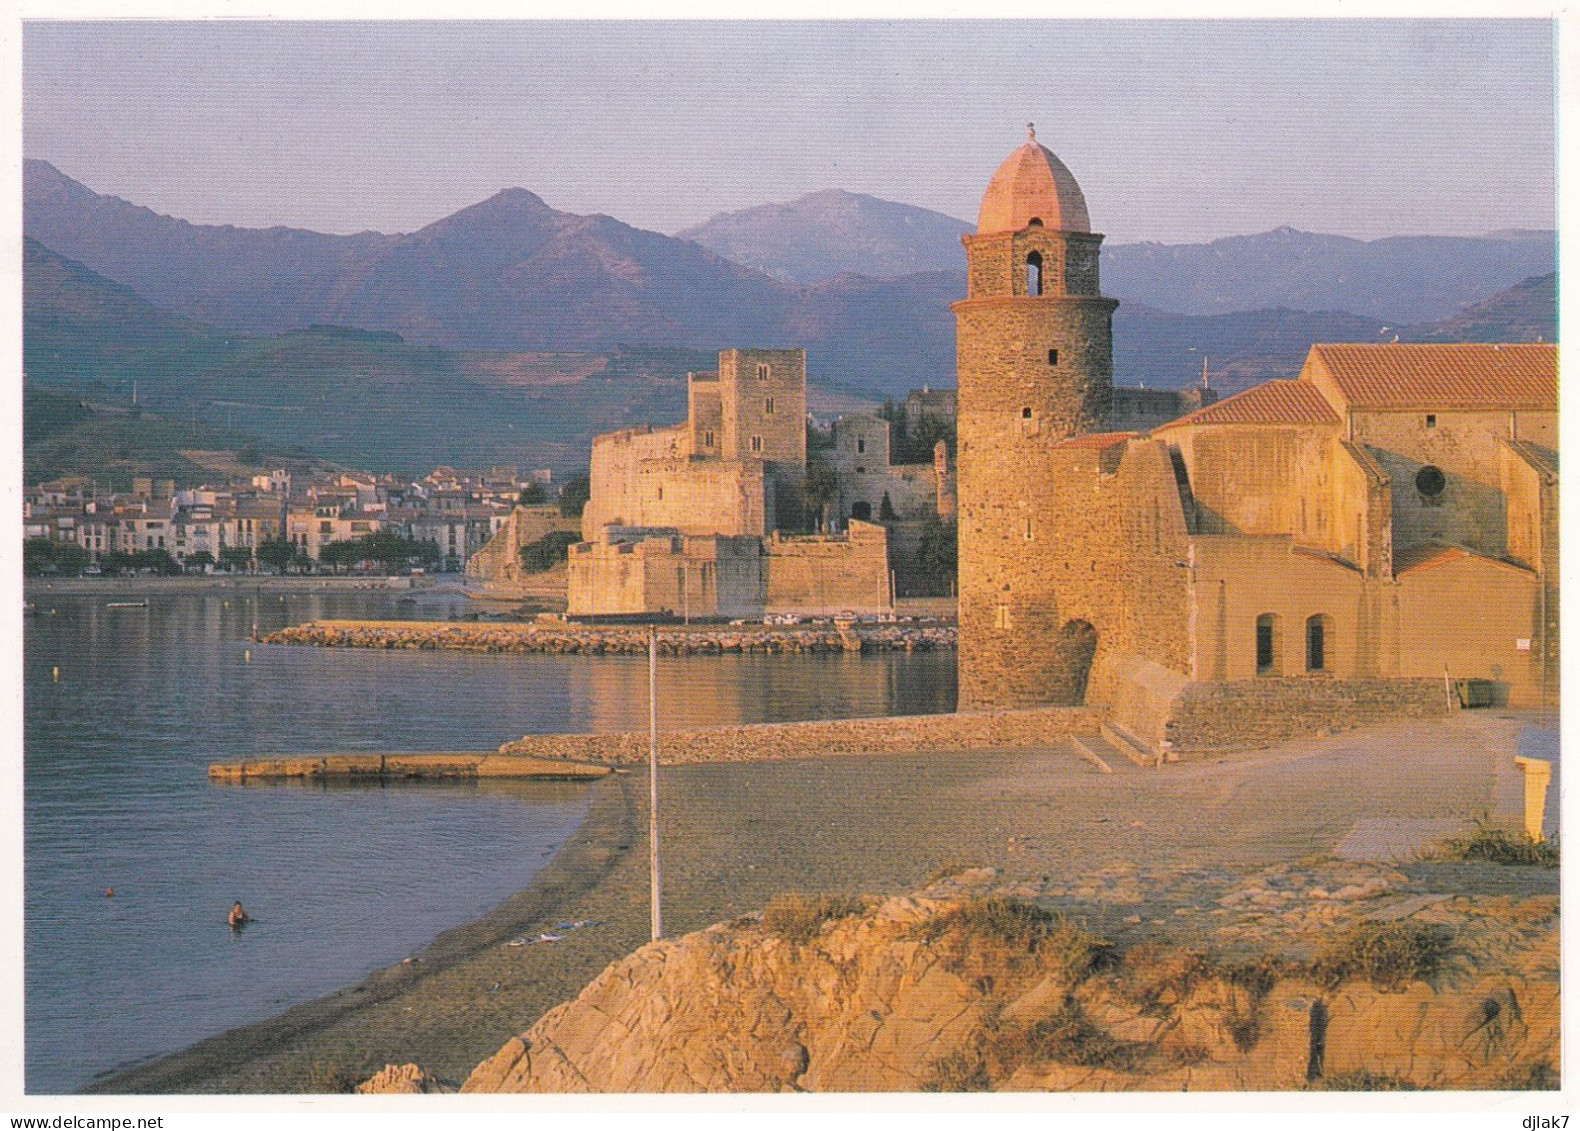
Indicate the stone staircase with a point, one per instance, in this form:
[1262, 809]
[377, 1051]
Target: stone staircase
[1114, 746]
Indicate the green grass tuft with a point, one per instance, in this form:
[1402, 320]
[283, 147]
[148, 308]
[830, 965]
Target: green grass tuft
[1537, 1076]
[1067, 1037]
[962, 1071]
[1389, 955]
[1500, 846]
[1022, 925]
[798, 917]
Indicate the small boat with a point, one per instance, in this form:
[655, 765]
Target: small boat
[126, 604]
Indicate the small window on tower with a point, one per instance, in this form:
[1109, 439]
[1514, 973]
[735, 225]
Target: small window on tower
[1053, 357]
[768, 406]
[757, 443]
[1431, 420]
[861, 444]
[1034, 274]
[762, 373]
[1025, 413]
[707, 439]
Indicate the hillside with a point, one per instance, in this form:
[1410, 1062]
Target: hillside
[1526, 312]
[823, 234]
[371, 399]
[64, 435]
[364, 399]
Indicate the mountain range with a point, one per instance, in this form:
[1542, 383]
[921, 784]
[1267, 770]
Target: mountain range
[521, 325]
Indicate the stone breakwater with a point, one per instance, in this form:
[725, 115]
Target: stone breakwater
[767, 742]
[386, 766]
[615, 640]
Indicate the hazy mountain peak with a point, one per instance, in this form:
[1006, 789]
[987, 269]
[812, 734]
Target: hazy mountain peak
[831, 231]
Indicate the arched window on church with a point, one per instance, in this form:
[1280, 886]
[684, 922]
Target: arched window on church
[1319, 637]
[1267, 644]
[1034, 273]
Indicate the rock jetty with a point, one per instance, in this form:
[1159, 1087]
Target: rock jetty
[617, 640]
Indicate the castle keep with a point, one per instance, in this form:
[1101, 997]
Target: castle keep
[708, 518]
[1336, 542]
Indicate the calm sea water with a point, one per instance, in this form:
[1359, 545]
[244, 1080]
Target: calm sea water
[344, 880]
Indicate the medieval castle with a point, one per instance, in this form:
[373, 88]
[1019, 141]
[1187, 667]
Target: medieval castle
[709, 518]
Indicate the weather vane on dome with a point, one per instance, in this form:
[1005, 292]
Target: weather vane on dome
[1031, 130]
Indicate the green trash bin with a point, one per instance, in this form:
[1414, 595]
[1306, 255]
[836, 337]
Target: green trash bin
[1475, 692]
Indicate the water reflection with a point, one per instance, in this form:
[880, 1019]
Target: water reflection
[343, 878]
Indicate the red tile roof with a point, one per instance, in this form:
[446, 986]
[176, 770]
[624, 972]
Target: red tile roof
[1271, 402]
[1457, 376]
[1098, 439]
[1430, 555]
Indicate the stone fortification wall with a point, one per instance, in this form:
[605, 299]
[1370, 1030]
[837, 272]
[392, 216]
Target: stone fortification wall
[822, 576]
[905, 734]
[734, 577]
[499, 561]
[634, 486]
[1260, 712]
[688, 577]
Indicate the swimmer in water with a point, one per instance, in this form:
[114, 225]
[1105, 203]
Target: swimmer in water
[239, 917]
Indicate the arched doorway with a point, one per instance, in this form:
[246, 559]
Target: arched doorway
[1077, 646]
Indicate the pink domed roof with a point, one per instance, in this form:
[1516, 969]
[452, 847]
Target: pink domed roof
[1033, 184]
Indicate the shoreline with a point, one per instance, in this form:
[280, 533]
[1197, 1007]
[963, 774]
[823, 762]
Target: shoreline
[577, 867]
[735, 835]
[36, 587]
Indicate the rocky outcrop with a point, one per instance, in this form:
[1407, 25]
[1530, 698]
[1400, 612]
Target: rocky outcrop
[993, 993]
[399, 1080]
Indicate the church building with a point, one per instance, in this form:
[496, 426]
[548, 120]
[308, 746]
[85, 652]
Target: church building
[1351, 542]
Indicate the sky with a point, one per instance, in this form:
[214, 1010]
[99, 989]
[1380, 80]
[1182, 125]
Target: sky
[1177, 131]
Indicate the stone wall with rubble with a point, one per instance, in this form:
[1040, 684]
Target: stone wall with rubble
[899, 734]
[1261, 712]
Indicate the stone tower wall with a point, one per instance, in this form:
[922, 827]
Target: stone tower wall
[1107, 549]
[1034, 370]
[744, 398]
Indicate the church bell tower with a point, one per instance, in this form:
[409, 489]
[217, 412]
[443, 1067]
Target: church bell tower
[1034, 340]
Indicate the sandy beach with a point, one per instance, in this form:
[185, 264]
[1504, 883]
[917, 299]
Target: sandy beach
[735, 835]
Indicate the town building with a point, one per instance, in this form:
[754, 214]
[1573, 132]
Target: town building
[1362, 536]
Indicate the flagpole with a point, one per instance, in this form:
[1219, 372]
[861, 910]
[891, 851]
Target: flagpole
[655, 873]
